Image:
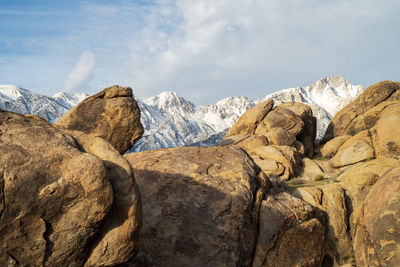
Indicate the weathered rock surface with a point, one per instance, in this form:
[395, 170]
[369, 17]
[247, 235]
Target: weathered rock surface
[248, 122]
[111, 114]
[289, 233]
[330, 200]
[56, 199]
[387, 131]
[331, 147]
[200, 206]
[377, 239]
[371, 97]
[355, 149]
[280, 136]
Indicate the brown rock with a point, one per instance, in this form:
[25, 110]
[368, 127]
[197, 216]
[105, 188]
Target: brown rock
[200, 206]
[65, 196]
[281, 117]
[377, 239]
[355, 149]
[371, 97]
[387, 132]
[280, 136]
[119, 238]
[331, 201]
[289, 233]
[54, 196]
[309, 132]
[332, 146]
[111, 114]
[311, 170]
[248, 122]
[286, 156]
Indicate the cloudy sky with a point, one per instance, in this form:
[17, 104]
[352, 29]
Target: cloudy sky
[203, 49]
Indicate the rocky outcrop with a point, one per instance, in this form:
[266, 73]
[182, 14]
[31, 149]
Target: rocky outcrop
[285, 223]
[248, 122]
[331, 147]
[111, 114]
[275, 138]
[66, 199]
[342, 123]
[377, 239]
[200, 206]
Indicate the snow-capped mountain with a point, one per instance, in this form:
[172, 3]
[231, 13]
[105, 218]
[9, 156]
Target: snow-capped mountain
[325, 97]
[170, 120]
[16, 99]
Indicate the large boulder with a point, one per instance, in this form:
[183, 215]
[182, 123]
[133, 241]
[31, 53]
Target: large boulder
[111, 114]
[59, 197]
[331, 147]
[356, 149]
[248, 122]
[330, 201]
[386, 133]
[200, 206]
[289, 233]
[377, 239]
[371, 97]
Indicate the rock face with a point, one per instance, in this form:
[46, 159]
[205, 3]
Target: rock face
[58, 202]
[111, 114]
[289, 233]
[377, 239]
[200, 206]
[371, 97]
[275, 138]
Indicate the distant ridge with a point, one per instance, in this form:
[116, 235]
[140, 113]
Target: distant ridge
[170, 120]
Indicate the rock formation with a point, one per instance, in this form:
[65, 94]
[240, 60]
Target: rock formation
[67, 198]
[200, 206]
[111, 114]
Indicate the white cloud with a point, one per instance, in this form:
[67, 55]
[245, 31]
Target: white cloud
[81, 74]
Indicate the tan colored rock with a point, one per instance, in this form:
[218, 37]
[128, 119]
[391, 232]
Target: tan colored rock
[371, 97]
[377, 239]
[286, 156]
[308, 134]
[387, 132]
[200, 206]
[330, 200]
[111, 114]
[54, 196]
[311, 170]
[253, 142]
[281, 137]
[248, 122]
[289, 233]
[119, 239]
[331, 147]
[370, 118]
[355, 149]
[281, 117]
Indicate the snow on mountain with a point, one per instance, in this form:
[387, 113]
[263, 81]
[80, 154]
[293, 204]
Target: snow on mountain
[170, 120]
[16, 99]
[325, 97]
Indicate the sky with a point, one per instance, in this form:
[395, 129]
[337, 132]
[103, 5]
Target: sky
[205, 50]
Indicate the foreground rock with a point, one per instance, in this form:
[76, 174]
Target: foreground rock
[57, 201]
[377, 239]
[289, 233]
[200, 206]
[111, 114]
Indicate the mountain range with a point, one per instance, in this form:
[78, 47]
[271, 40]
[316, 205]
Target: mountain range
[170, 120]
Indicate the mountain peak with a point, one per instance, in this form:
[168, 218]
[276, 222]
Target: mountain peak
[12, 92]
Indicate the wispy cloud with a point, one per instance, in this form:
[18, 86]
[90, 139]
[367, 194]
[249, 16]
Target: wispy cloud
[81, 74]
[205, 49]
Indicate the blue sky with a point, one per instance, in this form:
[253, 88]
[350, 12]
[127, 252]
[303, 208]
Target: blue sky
[203, 49]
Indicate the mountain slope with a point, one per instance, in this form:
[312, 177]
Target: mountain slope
[170, 120]
[19, 100]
